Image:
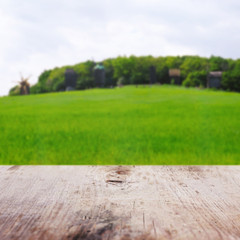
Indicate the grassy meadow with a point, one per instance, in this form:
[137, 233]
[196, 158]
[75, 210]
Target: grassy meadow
[129, 125]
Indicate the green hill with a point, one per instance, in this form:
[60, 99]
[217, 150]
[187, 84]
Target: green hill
[157, 125]
[136, 70]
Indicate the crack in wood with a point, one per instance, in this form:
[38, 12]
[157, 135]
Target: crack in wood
[114, 181]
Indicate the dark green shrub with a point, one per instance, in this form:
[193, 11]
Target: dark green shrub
[14, 91]
[195, 79]
[231, 80]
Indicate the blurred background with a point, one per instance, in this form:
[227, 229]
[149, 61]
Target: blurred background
[39, 35]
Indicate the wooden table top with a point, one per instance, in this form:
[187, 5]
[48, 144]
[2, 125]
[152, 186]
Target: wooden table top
[119, 202]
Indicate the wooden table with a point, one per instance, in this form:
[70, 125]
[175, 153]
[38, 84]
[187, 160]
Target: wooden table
[119, 202]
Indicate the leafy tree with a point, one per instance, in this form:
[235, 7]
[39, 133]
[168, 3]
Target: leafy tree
[140, 70]
[161, 70]
[85, 74]
[217, 64]
[195, 79]
[56, 80]
[109, 71]
[173, 62]
[231, 78]
[193, 64]
[123, 68]
[37, 88]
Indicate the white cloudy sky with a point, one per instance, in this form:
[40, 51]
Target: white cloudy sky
[40, 34]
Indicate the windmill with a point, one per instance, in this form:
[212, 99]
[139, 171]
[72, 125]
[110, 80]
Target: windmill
[24, 85]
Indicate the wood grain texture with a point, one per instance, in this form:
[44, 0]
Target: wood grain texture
[119, 202]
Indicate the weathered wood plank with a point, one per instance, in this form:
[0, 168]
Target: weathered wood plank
[119, 202]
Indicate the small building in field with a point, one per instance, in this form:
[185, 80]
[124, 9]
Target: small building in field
[99, 75]
[70, 79]
[153, 76]
[175, 76]
[214, 79]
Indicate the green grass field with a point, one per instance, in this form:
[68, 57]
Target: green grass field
[157, 125]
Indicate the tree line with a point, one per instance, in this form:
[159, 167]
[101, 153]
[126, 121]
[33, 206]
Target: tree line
[135, 70]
